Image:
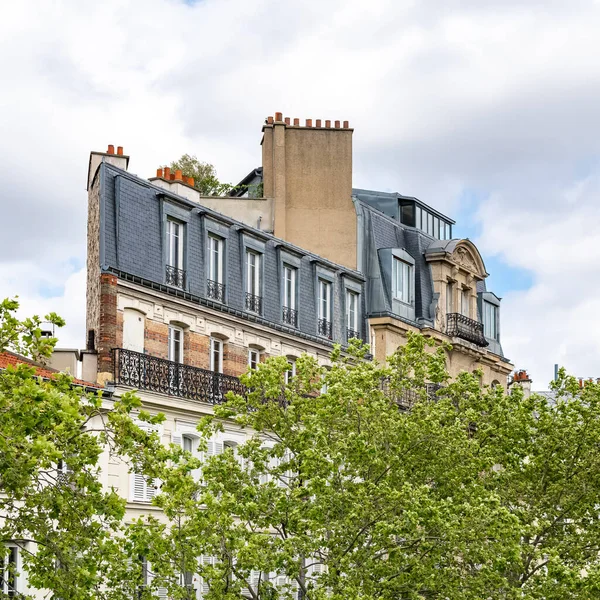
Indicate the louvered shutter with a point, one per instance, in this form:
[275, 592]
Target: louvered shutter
[176, 438]
[204, 587]
[139, 488]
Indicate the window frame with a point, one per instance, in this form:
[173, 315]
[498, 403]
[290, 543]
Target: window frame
[490, 321]
[352, 297]
[214, 343]
[405, 270]
[290, 373]
[324, 302]
[175, 329]
[254, 283]
[293, 287]
[10, 579]
[256, 360]
[173, 246]
[215, 247]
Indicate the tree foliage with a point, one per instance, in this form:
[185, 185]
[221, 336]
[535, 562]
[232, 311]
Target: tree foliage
[53, 433]
[472, 493]
[204, 174]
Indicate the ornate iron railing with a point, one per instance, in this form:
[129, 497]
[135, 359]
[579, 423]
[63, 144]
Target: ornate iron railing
[406, 398]
[253, 303]
[324, 328]
[215, 290]
[458, 325]
[175, 276]
[351, 333]
[146, 372]
[289, 316]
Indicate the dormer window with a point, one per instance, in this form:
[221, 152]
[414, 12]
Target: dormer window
[490, 321]
[402, 281]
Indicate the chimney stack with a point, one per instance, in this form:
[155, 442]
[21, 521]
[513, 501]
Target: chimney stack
[307, 171]
[119, 160]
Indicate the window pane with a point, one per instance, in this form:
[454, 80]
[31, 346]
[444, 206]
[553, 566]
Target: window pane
[436, 227]
[216, 362]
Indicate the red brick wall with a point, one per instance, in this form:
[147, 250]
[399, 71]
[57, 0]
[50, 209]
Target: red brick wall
[108, 326]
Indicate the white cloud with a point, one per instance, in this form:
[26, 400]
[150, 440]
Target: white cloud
[494, 96]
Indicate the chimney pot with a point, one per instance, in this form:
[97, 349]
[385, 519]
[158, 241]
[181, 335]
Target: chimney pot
[318, 124]
[190, 181]
[337, 124]
[287, 120]
[270, 120]
[346, 125]
[178, 175]
[309, 122]
[278, 116]
[159, 172]
[296, 121]
[327, 123]
[167, 172]
[120, 150]
[172, 176]
[111, 149]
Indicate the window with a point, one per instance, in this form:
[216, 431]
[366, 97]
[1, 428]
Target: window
[324, 300]
[490, 321]
[253, 358]
[289, 287]
[289, 313]
[215, 259]
[143, 490]
[253, 283]
[352, 313]
[175, 344]
[188, 443]
[291, 372]
[8, 571]
[402, 276]
[216, 355]
[418, 217]
[465, 302]
[429, 223]
[174, 244]
[324, 309]
[436, 227]
[449, 298]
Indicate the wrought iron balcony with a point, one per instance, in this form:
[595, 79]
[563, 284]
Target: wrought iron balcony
[351, 333]
[215, 290]
[175, 276]
[406, 398]
[458, 325]
[146, 372]
[324, 328]
[290, 316]
[253, 303]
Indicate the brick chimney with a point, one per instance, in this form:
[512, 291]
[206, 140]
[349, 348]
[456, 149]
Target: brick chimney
[522, 379]
[110, 156]
[307, 170]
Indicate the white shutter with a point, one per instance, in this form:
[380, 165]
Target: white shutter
[214, 447]
[138, 488]
[151, 489]
[204, 587]
[176, 438]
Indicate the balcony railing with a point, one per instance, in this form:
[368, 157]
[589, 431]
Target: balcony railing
[458, 325]
[167, 377]
[253, 303]
[324, 328]
[406, 398]
[175, 276]
[215, 290]
[290, 316]
[351, 333]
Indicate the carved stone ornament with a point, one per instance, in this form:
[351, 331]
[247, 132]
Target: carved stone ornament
[465, 259]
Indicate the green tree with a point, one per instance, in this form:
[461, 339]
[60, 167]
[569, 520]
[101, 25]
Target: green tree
[204, 174]
[471, 493]
[52, 504]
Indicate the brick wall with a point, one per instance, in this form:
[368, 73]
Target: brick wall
[108, 326]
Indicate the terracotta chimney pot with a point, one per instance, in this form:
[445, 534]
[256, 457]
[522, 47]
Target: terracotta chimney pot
[190, 181]
[111, 149]
[318, 124]
[309, 122]
[159, 173]
[178, 175]
[346, 124]
[287, 120]
[337, 124]
[120, 150]
[167, 172]
[278, 116]
[327, 123]
[172, 177]
[296, 121]
[270, 120]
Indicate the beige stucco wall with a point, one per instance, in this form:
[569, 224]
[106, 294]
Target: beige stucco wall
[308, 172]
[93, 259]
[387, 334]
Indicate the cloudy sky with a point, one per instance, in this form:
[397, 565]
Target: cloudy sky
[485, 109]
